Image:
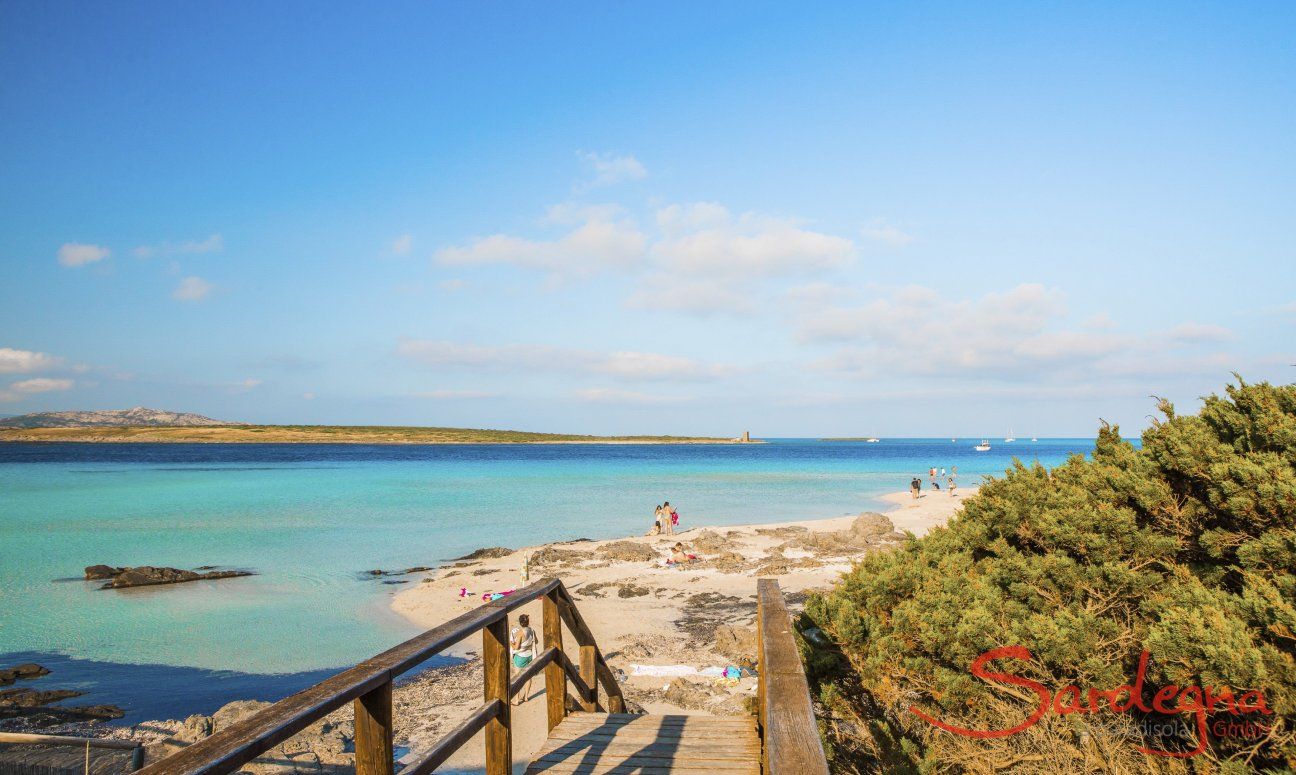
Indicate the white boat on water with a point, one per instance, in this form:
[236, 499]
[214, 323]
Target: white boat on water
[984, 446]
[1010, 438]
[872, 440]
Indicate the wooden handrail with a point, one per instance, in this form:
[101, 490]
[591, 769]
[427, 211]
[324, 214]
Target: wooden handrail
[369, 683]
[789, 733]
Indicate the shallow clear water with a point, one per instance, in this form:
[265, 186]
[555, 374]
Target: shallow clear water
[310, 519]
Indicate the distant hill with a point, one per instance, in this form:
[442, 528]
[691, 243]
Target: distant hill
[108, 418]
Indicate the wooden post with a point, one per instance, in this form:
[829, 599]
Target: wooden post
[587, 657]
[555, 678]
[495, 664]
[373, 732]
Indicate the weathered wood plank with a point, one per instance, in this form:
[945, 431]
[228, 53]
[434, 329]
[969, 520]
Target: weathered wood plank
[788, 728]
[555, 677]
[623, 719]
[495, 667]
[373, 732]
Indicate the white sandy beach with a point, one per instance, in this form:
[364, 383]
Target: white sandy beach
[644, 613]
[664, 619]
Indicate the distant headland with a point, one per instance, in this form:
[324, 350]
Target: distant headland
[141, 425]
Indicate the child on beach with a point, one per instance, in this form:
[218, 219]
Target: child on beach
[522, 639]
[915, 487]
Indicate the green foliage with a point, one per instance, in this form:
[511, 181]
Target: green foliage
[1185, 547]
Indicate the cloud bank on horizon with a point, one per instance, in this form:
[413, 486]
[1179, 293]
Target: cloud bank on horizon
[859, 233]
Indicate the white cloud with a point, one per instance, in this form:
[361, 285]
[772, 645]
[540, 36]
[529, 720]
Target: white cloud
[711, 242]
[879, 230]
[609, 169]
[403, 244]
[192, 289]
[19, 390]
[25, 361]
[627, 397]
[211, 244]
[625, 365]
[1019, 332]
[456, 395]
[597, 243]
[1198, 333]
[80, 254]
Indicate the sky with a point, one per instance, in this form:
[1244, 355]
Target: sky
[900, 219]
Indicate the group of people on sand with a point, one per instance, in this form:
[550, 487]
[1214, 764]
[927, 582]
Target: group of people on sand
[951, 481]
[664, 520]
[523, 642]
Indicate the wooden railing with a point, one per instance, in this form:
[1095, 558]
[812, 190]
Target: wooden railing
[369, 686]
[789, 733]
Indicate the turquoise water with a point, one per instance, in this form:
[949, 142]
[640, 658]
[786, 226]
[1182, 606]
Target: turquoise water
[310, 519]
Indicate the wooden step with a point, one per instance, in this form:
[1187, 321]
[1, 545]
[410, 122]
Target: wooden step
[615, 743]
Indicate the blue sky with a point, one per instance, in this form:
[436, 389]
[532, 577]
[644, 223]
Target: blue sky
[902, 219]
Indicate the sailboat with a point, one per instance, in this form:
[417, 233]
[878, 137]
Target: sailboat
[872, 439]
[984, 446]
[1009, 438]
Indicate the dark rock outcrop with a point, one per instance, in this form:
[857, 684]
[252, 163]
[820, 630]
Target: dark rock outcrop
[148, 575]
[487, 553]
[26, 670]
[628, 551]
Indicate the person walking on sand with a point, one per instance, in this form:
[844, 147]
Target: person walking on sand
[951, 485]
[914, 487]
[522, 639]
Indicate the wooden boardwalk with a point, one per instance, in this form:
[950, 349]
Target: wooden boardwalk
[781, 739]
[610, 743]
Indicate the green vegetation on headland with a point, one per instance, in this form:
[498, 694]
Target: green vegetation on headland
[323, 434]
[1184, 549]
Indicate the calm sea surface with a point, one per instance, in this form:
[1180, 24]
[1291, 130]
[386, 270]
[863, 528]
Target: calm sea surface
[311, 519]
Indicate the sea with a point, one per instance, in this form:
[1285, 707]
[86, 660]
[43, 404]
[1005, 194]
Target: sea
[310, 520]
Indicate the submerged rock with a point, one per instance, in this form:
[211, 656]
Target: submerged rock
[149, 575]
[26, 670]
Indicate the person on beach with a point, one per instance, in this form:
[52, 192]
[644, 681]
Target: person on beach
[657, 520]
[671, 514]
[668, 527]
[951, 485]
[914, 487]
[522, 639]
[679, 556]
[935, 485]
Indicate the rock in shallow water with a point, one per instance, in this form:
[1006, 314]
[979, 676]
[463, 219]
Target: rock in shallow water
[148, 575]
[26, 670]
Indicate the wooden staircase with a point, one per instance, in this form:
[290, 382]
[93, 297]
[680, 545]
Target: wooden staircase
[599, 743]
[599, 739]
